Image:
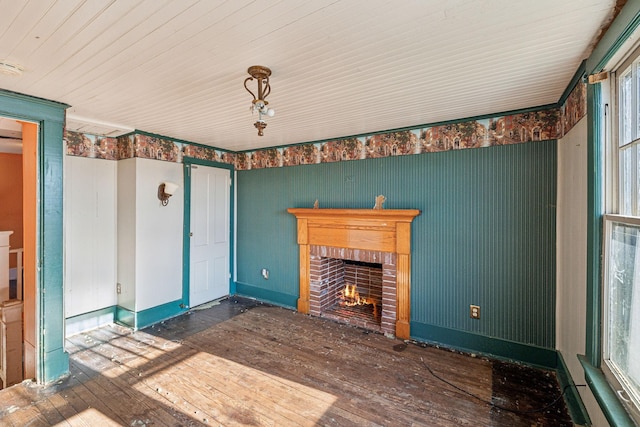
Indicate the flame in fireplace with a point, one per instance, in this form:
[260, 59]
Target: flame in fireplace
[350, 297]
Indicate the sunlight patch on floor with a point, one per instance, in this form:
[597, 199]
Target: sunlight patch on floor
[92, 416]
[242, 393]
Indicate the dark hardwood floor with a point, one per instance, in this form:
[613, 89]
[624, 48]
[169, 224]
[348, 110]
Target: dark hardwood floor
[241, 362]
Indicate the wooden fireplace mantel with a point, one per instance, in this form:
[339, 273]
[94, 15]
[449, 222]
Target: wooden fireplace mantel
[385, 230]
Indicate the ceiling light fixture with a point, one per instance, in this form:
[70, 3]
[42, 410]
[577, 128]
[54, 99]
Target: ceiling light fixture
[10, 68]
[259, 103]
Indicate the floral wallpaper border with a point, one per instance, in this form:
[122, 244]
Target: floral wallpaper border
[541, 125]
[142, 146]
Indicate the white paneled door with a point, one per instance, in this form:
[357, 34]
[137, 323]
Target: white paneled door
[209, 246]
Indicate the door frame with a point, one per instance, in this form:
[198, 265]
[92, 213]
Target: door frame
[52, 361]
[186, 242]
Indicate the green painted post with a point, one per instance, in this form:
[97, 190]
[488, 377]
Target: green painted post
[52, 361]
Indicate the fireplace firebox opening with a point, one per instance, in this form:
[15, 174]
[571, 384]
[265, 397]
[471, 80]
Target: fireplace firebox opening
[355, 296]
[357, 287]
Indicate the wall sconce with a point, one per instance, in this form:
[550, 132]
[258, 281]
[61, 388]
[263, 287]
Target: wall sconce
[259, 103]
[166, 190]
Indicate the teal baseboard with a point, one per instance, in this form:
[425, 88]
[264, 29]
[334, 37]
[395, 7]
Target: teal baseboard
[577, 410]
[158, 313]
[494, 347]
[142, 319]
[91, 320]
[266, 295]
[125, 317]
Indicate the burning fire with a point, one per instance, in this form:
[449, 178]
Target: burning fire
[351, 297]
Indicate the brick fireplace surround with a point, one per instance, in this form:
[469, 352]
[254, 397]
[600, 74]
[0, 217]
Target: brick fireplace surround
[370, 235]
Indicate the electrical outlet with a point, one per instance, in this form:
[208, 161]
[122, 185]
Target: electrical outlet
[265, 273]
[118, 288]
[474, 311]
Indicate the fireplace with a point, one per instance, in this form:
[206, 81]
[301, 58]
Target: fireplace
[337, 244]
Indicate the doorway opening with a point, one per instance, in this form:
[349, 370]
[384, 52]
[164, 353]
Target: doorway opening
[18, 221]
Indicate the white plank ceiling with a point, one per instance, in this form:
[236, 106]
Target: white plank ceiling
[340, 67]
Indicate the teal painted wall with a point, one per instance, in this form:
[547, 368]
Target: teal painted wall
[486, 235]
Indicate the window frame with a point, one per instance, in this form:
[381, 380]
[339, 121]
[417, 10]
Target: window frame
[612, 189]
[612, 375]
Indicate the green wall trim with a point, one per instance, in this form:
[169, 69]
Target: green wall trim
[158, 313]
[142, 319]
[278, 298]
[90, 320]
[12, 104]
[186, 239]
[125, 317]
[621, 28]
[594, 225]
[577, 78]
[572, 398]
[495, 347]
[605, 395]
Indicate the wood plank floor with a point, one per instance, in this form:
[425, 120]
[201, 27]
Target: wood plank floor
[243, 363]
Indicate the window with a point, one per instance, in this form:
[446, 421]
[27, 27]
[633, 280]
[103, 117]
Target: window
[622, 307]
[621, 290]
[629, 140]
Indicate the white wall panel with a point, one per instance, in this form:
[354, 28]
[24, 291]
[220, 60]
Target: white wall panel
[158, 234]
[127, 233]
[571, 297]
[90, 234]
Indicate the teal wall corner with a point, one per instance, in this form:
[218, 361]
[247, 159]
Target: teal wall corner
[51, 248]
[56, 365]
